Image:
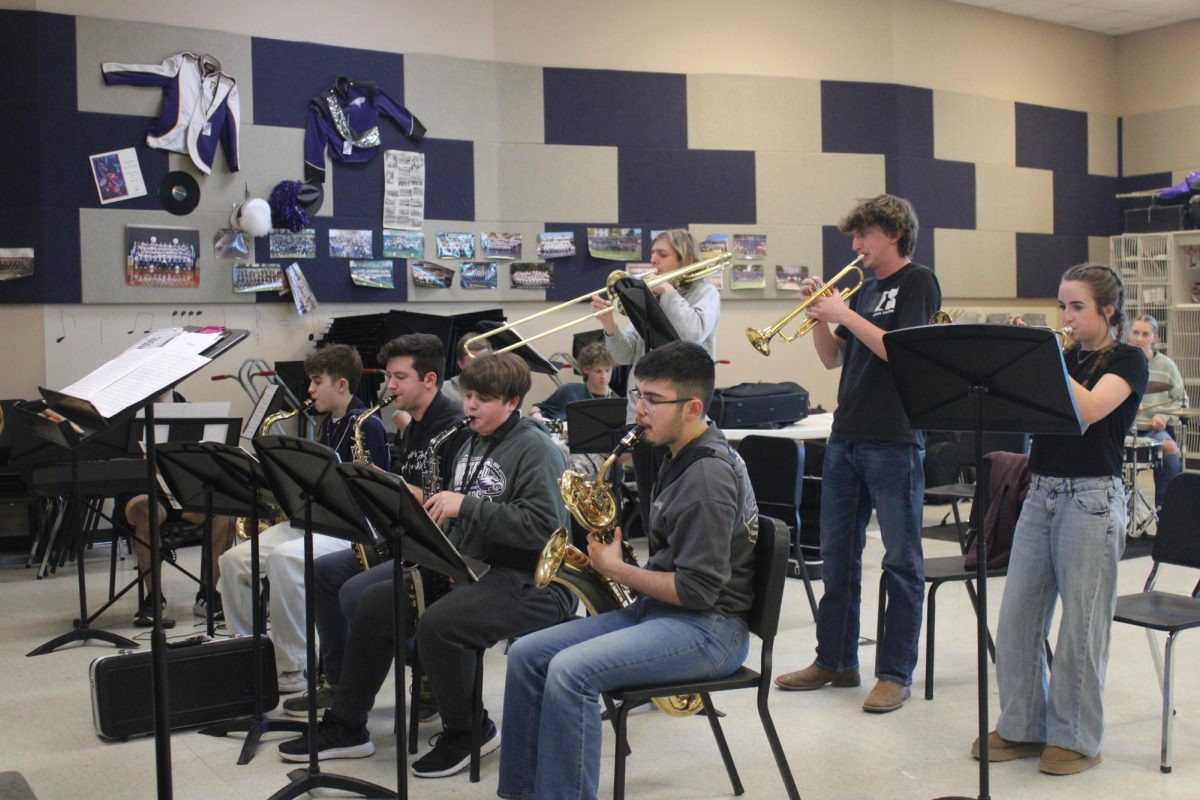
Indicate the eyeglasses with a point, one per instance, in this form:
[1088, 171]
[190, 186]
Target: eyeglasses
[650, 404]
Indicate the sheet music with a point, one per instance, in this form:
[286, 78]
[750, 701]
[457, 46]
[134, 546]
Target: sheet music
[132, 377]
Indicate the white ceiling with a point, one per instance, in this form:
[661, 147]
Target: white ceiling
[1113, 17]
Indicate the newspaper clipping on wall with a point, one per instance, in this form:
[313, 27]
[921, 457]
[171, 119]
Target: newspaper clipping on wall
[403, 190]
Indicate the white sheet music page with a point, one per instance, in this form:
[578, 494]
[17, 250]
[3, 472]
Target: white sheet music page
[138, 373]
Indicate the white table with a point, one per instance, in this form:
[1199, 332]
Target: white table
[814, 426]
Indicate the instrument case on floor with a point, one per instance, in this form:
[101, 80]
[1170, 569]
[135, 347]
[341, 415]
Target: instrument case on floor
[208, 681]
[759, 405]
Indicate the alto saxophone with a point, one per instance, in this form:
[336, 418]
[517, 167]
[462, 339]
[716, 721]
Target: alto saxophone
[594, 505]
[431, 474]
[378, 551]
[242, 524]
[426, 586]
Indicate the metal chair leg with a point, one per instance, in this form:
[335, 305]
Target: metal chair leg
[930, 617]
[1168, 717]
[730, 768]
[785, 771]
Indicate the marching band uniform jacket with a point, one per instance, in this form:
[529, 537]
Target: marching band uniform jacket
[345, 120]
[200, 106]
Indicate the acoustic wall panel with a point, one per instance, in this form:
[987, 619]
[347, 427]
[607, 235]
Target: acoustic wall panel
[582, 273]
[1041, 260]
[692, 185]
[1162, 141]
[615, 108]
[481, 100]
[970, 128]
[53, 233]
[39, 60]
[102, 260]
[1051, 138]
[101, 40]
[535, 182]
[787, 245]
[814, 188]
[1084, 205]
[289, 74]
[876, 118]
[449, 180]
[1012, 198]
[976, 264]
[1102, 145]
[942, 192]
[744, 112]
[502, 293]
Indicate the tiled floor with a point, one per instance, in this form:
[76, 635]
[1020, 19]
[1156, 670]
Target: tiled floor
[836, 750]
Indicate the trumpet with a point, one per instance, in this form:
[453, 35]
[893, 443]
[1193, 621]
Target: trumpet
[761, 338]
[678, 277]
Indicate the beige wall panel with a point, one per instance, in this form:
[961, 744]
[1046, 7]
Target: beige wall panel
[102, 232]
[269, 155]
[1150, 77]
[1102, 145]
[1162, 141]
[101, 40]
[25, 344]
[458, 98]
[972, 128]
[976, 264]
[538, 182]
[814, 188]
[1013, 199]
[740, 112]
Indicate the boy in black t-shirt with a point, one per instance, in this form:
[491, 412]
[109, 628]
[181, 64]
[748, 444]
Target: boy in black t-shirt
[874, 459]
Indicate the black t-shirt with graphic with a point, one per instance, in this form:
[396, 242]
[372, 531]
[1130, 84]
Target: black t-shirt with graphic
[1100, 450]
[869, 406]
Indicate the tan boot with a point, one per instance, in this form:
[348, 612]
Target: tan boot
[886, 696]
[1060, 761]
[814, 677]
[1001, 749]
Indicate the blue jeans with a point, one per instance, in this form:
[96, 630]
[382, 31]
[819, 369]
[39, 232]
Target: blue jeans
[858, 476]
[1067, 544]
[1172, 464]
[551, 728]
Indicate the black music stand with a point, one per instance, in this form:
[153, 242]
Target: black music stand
[994, 378]
[312, 493]
[595, 426]
[644, 312]
[536, 361]
[391, 508]
[228, 480]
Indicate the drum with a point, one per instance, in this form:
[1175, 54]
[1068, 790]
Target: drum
[1141, 452]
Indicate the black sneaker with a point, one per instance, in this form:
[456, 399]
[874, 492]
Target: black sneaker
[200, 607]
[145, 615]
[451, 751]
[298, 706]
[334, 740]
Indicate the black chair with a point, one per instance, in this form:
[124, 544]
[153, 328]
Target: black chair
[770, 567]
[1177, 544]
[776, 470]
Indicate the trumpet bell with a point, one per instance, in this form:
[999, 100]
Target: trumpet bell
[759, 340]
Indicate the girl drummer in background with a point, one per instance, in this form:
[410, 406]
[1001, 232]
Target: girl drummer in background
[1068, 540]
[1164, 395]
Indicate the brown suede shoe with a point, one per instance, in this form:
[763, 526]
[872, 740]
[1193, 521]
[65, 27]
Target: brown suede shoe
[886, 696]
[1001, 749]
[1060, 761]
[814, 677]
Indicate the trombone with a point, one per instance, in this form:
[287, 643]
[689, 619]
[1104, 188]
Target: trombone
[677, 277]
[761, 338]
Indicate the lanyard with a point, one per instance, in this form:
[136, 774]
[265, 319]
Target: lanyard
[469, 484]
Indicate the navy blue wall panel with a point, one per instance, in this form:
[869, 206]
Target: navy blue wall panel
[39, 60]
[1042, 259]
[68, 138]
[21, 133]
[289, 74]
[329, 278]
[837, 252]
[700, 186]
[942, 192]
[1051, 138]
[53, 233]
[876, 118]
[615, 108]
[1086, 205]
[581, 273]
[449, 179]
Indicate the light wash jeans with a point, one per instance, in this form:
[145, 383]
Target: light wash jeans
[551, 726]
[856, 477]
[1172, 465]
[1068, 541]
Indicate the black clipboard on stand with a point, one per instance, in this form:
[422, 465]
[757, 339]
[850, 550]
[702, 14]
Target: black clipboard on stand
[70, 421]
[303, 477]
[993, 378]
[392, 510]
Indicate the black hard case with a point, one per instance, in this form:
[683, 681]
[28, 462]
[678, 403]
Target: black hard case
[209, 682]
[759, 405]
